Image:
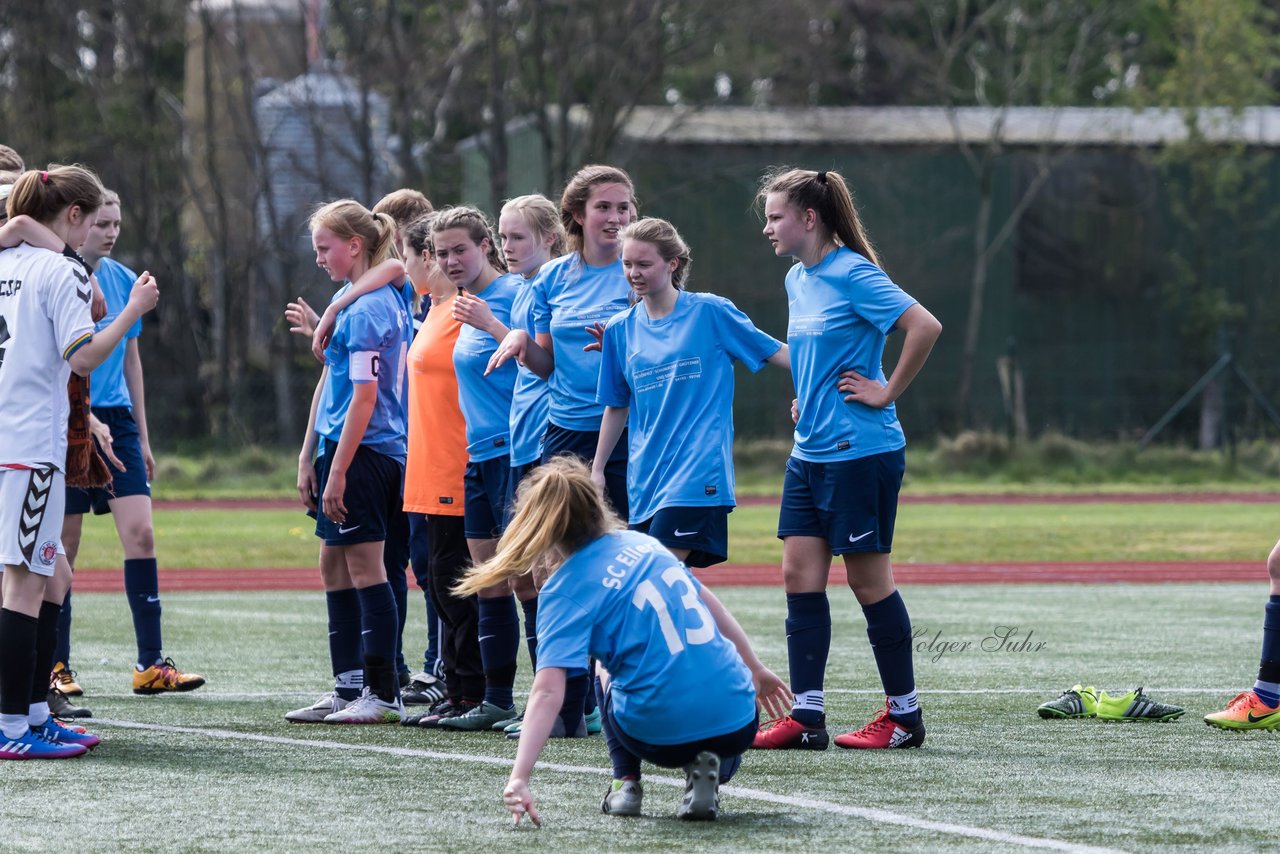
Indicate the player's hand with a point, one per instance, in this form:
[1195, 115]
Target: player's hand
[772, 693]
[473, 311]
[513, 346]
[307, 483]
[597, 477]
[795, 411]
[335, 488]
[148, 461]
[102, 434]
[302, 318]
[97, 305]
[519, 801]
[859, 389]
[145, 293]
[324, 329]
[596, 331]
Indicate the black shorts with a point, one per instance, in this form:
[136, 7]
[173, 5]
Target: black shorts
[704, 531]
[514, 479]
[484, 487]
[374, 486]
[852, 504]
[126, 444]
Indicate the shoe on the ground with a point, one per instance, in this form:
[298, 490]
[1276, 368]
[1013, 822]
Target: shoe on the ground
[1246, 711]
[504, 726]
[54, 731]
[594, 725]
[881, 733]
[61, 707]
[64, 680]
[787, 733]
[404, 678]
[33, 745]
[164, 676]
[317, 711]
[1135, 706]
[481, 717]
[423, 690]
[368, 708]
[439, 712]
[623, 798]
[558, 729]
[701, 800]
[1078, 702]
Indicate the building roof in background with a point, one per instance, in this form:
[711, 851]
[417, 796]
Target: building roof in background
[1110, 126]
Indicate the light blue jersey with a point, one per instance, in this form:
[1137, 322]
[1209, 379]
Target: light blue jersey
[676, 374]
[840, 311]
[625, 600]
[531, 401]
[107, 384]
[486, 401]
[569, 296]
[370, 342]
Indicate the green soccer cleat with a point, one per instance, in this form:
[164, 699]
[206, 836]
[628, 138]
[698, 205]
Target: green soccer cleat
[1135, 706]
[1079, 702]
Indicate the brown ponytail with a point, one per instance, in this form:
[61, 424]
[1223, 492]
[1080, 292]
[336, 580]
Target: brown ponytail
[827, 194]
[347, 218]
[46, 193]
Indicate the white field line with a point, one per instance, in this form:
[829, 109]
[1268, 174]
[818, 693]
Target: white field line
[870, 692]
[866, 813]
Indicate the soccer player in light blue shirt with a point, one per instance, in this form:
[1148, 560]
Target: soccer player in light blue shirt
[840, 494]
[656, 632]
[667, 364]
[354, 484]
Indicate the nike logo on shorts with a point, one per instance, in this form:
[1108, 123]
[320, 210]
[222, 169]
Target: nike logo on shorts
[854, 539]
[679, 533]
[342, 530]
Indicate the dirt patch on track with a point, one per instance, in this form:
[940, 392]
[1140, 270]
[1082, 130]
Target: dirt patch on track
[757, 575]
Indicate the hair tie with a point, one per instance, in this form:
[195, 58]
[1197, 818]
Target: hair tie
[44, 177]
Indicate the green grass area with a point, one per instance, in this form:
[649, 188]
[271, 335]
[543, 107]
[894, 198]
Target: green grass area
[989, 762]
[925, 533]
[969, 462]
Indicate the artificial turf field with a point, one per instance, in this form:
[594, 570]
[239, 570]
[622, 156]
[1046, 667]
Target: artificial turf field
[220, 769]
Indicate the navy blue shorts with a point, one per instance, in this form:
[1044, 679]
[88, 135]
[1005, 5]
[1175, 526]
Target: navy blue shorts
[729, 747]
[704, 531]
[514, 479]
[485, 489]
[127, 445]
[852, 504]
[375, 483]
[582, 444]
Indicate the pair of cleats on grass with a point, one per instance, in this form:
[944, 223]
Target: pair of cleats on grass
[1089, 702]
[701, 801]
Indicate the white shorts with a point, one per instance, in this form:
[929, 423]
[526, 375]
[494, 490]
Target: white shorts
[31, 510]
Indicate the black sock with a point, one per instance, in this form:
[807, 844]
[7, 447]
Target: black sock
[17, 661]
[46, 643]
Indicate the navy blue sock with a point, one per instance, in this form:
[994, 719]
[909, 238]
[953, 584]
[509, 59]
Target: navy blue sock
[46, 640]
[142, 588]
[1269, 667]
[625, 763]
[378, 636]
[344, 636]
[499, 629]
[577, 684]
[400, 590]
[62, 652]
[530, 608]
[889, 630]
[808, 645]
[590, 701]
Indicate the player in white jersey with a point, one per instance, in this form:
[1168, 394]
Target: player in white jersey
[46, 333]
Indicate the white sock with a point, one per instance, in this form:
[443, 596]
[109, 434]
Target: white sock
[14, 726]
[353, 679]
[38, 714]
[904, 704]
[813, 701]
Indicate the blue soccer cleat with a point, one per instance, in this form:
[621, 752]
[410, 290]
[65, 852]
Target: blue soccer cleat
[33, 745]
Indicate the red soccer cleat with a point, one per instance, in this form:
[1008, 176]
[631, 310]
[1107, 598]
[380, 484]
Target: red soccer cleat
[789, 734]
[882, 733]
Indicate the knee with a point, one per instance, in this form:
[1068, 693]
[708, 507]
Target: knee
[141, 539]
[1273, 564]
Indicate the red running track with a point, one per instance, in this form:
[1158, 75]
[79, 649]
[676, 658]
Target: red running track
[906, 498]
[1150, 572]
